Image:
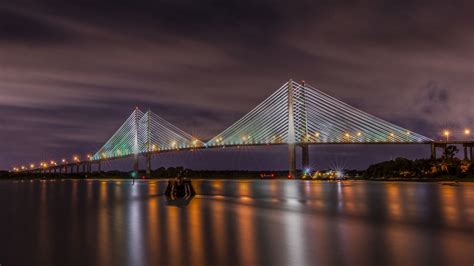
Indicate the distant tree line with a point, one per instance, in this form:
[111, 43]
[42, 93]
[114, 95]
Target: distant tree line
[447, 165]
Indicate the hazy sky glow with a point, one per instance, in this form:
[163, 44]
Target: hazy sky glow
[72, 71]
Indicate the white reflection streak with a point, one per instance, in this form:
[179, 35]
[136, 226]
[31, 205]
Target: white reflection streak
[135, 245]
[290, 194]
[340, 198]
[294, 231]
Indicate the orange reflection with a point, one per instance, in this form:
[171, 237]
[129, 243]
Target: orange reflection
[449, 205]
[393, 201]
[103, 223]
[174, 236]
[244, 189]
[196, 229]
[218, 187]
[246, 230]
[44, 234]
[152, 230]
[219, 229]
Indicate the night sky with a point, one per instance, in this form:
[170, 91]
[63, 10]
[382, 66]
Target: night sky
[72, 71]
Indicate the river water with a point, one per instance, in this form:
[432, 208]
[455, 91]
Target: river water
[258, 222]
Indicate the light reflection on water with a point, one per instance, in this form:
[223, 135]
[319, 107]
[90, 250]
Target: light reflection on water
[270, 222]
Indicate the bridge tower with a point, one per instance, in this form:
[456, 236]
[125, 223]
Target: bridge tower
[148, 146]
[302, 123]
[291, 133]
[136, 148]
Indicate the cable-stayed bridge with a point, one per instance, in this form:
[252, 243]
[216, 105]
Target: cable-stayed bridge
[296, 115]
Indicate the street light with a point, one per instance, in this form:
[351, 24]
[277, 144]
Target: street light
[467, 132]
[446, 134]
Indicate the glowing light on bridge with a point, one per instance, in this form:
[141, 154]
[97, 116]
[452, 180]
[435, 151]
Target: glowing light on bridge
[139, 133]
[326, 118]
[294, 114]
[315, 118]
[446, 133]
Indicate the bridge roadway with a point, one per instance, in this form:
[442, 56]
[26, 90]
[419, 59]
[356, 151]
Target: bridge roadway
[86, 165]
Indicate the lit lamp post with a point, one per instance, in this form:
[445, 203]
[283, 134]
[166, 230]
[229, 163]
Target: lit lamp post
[77, 161]
[446, 133]
[467, 132]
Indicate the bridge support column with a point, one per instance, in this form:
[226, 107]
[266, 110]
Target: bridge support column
[433, 151]
[291, 161]
[136, 167]
[77, 168]
[305, 156]
[465, 153]
[472, 154]
[148, 165]
[99, 167]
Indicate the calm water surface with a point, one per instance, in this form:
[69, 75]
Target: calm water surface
[265, 222]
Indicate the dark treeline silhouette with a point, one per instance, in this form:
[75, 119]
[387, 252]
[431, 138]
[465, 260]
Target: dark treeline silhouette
[162, 172]
[446, 166]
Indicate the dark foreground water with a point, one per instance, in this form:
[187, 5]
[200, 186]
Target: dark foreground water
[268, 222]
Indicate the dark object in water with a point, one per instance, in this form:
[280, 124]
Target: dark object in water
[179, 188]
[453, 184]
[179, 202]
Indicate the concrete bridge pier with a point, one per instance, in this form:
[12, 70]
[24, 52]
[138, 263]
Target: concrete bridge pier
[148, 165]
[292, 161]
[465, 153]
[136, 167]
[433, 151]
[305, 156]
[99, 167]
[434, 146]
[472, 154]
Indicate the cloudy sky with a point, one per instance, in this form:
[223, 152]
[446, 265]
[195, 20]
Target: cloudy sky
[72, 71]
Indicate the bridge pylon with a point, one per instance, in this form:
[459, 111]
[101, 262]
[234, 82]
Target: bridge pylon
[291, 133]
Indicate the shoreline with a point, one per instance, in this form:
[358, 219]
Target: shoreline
[116, 177]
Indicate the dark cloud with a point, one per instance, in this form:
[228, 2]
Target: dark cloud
[16, 27]
[72, 71]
